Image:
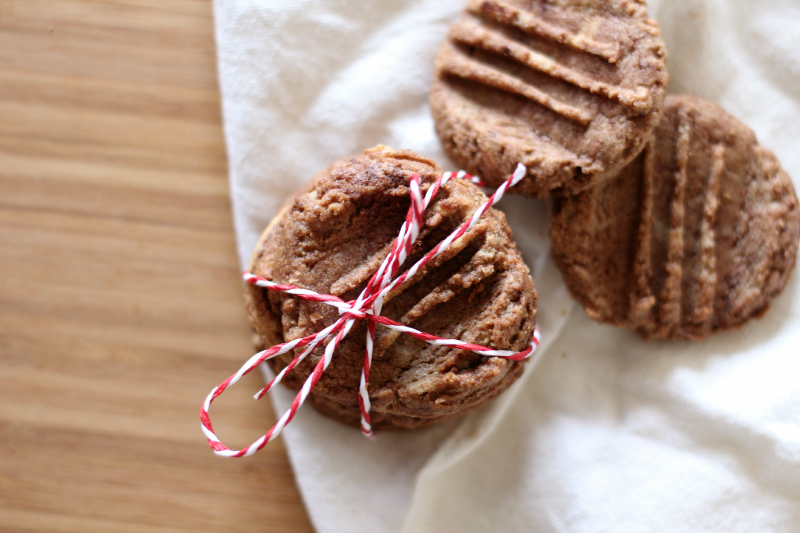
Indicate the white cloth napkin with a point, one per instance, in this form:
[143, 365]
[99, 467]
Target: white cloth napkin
[609, 433]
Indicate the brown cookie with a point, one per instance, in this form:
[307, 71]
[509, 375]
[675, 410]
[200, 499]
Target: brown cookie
[570, 89]
[698, 234]
[332, 237]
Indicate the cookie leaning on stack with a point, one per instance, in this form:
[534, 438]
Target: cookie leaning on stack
[331, 238]
[698, 234]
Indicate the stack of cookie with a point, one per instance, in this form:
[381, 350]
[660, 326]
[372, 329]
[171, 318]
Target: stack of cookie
[332, 236]
[669, 217]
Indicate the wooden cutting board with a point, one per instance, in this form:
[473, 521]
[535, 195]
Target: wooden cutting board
[120, 299]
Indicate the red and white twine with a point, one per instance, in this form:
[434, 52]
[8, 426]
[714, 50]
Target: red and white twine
[366, 307]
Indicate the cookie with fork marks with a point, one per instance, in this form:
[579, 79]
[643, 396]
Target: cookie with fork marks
[571, 89]
[698, 234]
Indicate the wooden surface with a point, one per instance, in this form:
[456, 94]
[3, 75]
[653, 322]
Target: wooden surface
[120, 300]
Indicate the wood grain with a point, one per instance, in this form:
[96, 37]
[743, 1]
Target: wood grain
[120, 300]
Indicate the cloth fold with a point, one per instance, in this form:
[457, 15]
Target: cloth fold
[608, 432]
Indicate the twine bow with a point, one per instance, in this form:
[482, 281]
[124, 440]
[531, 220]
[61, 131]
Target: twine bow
[366, 307]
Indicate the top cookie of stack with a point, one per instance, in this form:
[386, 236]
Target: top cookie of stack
[570, 89]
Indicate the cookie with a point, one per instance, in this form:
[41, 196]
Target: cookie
[570, 89]
[698, 234]
[332, 237]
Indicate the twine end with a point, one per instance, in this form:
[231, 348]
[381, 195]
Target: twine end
[519, 173]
